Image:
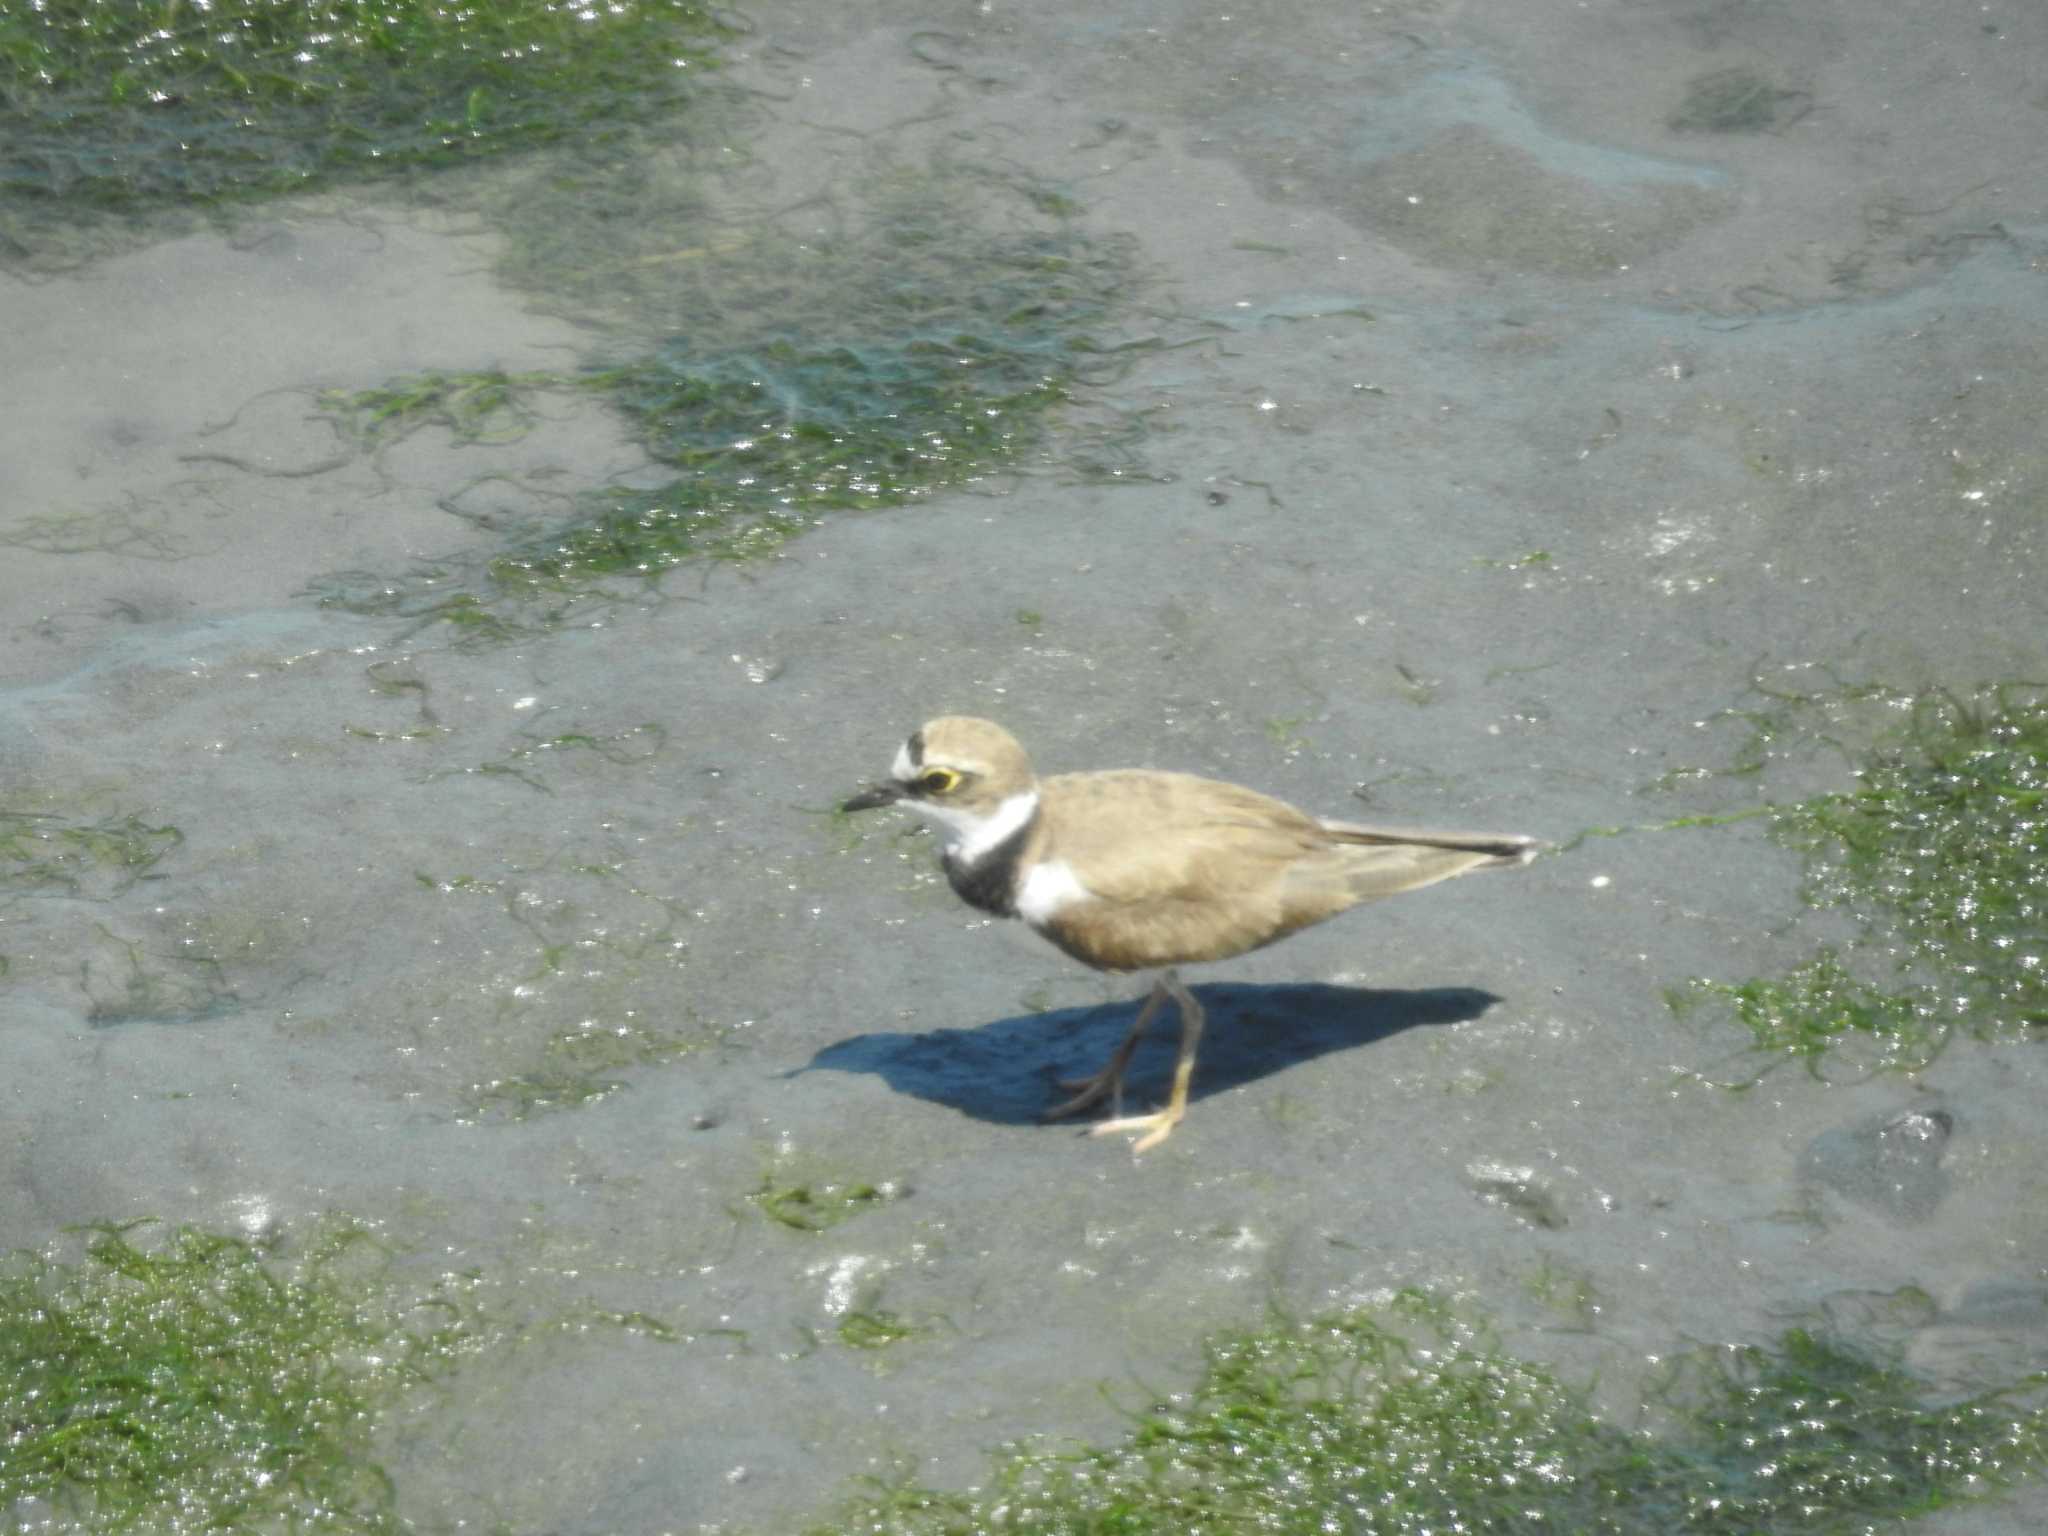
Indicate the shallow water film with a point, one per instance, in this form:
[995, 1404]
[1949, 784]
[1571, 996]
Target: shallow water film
[485, 485]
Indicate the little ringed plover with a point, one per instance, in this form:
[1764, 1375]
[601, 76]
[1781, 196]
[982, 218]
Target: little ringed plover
[1131, 870]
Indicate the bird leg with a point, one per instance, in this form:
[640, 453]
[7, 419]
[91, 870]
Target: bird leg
[1157, 1127]
[1111, 1078]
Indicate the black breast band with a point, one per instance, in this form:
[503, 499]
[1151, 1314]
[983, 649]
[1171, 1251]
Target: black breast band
[990, 882]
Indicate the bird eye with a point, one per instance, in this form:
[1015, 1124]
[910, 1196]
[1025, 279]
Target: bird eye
[939, 781]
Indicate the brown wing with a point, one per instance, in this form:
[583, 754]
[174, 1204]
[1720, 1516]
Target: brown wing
[1185, 869]
[1181, 868]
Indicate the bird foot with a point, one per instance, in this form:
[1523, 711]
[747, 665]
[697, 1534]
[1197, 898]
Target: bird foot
[1157, 1127]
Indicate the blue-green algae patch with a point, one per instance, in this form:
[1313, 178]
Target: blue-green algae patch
[200, 1384]
[918, 354]
[761, 442]
[182, 101]
[1936, 855]
[767, 439]
[1410, 1418]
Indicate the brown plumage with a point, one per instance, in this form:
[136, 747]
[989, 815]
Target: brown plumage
[1137, 870]
[1218, 870]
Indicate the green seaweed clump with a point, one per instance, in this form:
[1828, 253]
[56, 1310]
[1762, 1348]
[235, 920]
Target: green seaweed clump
[1944, 842]
[171, 101]
[765, 440]
[814, 1207]
[196, 1386]
[1815, 1009]
[943, 332]
[1409, 1419]
[1937, 855]
[871, 1329]
[756, 445]
[45, 850]
[476, 407]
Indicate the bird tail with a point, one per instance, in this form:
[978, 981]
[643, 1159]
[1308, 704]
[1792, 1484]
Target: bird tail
[1384, 861]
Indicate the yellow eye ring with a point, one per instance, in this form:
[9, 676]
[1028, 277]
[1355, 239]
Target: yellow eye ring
[939, 781]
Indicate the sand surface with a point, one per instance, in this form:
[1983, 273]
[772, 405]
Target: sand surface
[1450, 285]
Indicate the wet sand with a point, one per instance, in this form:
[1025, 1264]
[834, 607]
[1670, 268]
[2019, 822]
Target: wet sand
[1753, 368]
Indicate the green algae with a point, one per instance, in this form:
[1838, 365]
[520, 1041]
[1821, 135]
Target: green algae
[1670, 824]
[173, 102]
[1535, 559]
[473, 407]
[129, 528]
[873, 1329]
[125, 982]
[764, 440]
[417, 733]
[1565, 1291]
[1944, 840]
[652, 240]
[52, 851]
[580, 1066]
[943, 331]
[1285, 732]
[621, 1046]
[818, 1205]
[756, 446]
[1816, 1010]
[1409, 1417]
[593, 987]
[198, 1384]
[526, 1094]
[1935, 856]
[636, 744]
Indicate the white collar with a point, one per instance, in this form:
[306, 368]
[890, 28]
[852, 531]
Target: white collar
[972, 838]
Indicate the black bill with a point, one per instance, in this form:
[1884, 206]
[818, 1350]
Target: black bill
[873, 796]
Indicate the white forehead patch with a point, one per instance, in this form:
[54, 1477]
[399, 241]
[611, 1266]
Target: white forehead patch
[903, 769]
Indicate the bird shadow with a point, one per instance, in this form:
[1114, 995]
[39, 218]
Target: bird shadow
[1006, 1071]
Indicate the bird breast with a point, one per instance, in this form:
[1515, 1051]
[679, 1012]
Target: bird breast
[1047, 889]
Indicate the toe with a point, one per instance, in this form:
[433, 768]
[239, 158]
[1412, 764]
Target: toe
[1148, 1142]
[1157, 1127]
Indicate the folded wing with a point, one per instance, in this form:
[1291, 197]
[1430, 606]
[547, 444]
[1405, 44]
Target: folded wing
[1180, 869]
[1374, 862]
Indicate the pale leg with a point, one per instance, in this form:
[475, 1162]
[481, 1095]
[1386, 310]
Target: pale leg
[1157, 1127]
[1111, 1078]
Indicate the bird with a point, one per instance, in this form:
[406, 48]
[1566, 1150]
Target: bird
[1146, 870]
